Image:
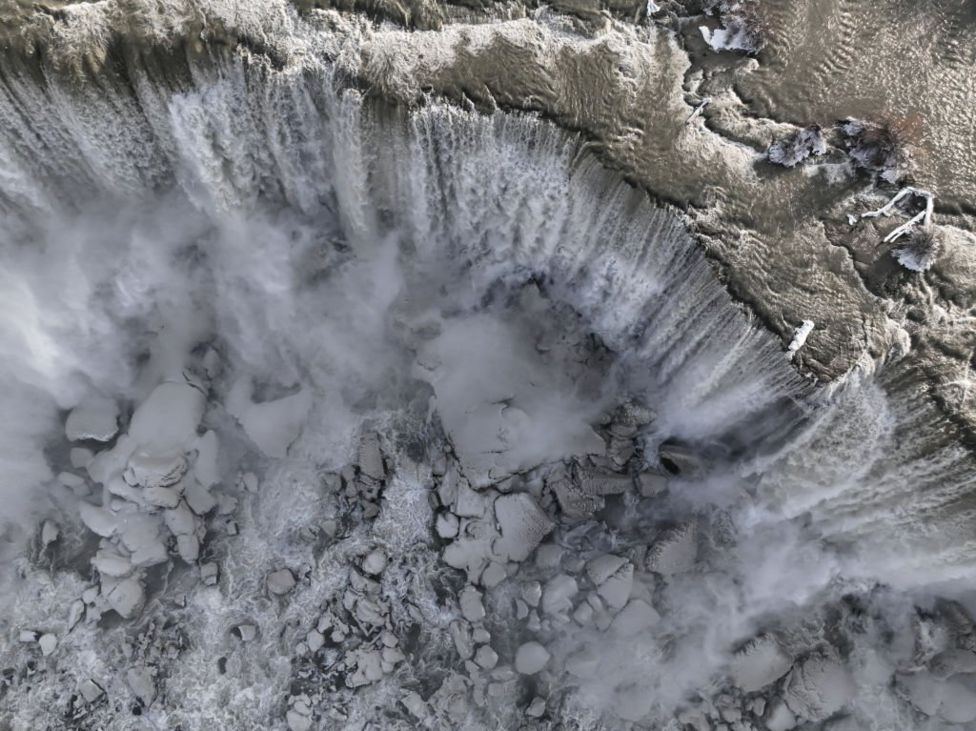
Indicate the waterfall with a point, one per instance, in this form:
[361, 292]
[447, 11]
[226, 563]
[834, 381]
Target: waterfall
[254, 223]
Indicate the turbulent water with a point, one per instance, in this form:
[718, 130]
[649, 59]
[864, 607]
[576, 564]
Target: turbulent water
[338, 403]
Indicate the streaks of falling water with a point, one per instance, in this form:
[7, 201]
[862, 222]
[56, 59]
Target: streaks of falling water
[487, 198]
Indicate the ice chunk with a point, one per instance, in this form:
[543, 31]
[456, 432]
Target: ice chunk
[470, 554]
[736, 37]
[796, 148]
[167, 420]
[147, 469]
[188, 546]
[468, 503]
[818, 688]
[180, 520]
[538, 705]
[110, 563]
[375, 562]
[675, 552]
[99, 521]
[126, 597]
[281, 582]
[494, 574]
[650, 484]
[758, 664]
[95, 418]
[523, 525]
[48, 643]
[557, 596]
[297, 721]
[800, 336]
[614, 577]
[205, 467]
[142, 684]
[486, 657]
[299, 716]
[461, 635]
[780, 718]
[73, 481]
[447, 525]
[90, 690]
[416, 705]
[548, 556]
[140, 534]
[369, 669]
[603, 567]
[315, 640]
[209, 573]
[472, 608]
[198, 498]
[532, 593]
[531, 658]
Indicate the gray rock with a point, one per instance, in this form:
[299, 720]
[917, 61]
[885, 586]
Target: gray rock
[472, 608]
[532, 593]
[95, 418]
[650, 484]
[493, 575]
[375, 562]
[486, 657]
[558, 593]
[315, 640]
[780, 718]
[209, 572]
[126, 597]
[818, 687]
[461, 634]
[142, 683]
[675, 552]
[281, 582]
[188, 547]
[48, 643]
[531, 658]
[536, 708]
[758, 664]
[90, 690]
[614, 578]
[446, 525]
[523, 525]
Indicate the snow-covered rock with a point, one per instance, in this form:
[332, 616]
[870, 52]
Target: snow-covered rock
[531, 658]
[95, 418]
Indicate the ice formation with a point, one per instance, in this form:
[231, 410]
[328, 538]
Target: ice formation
[345, 390]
